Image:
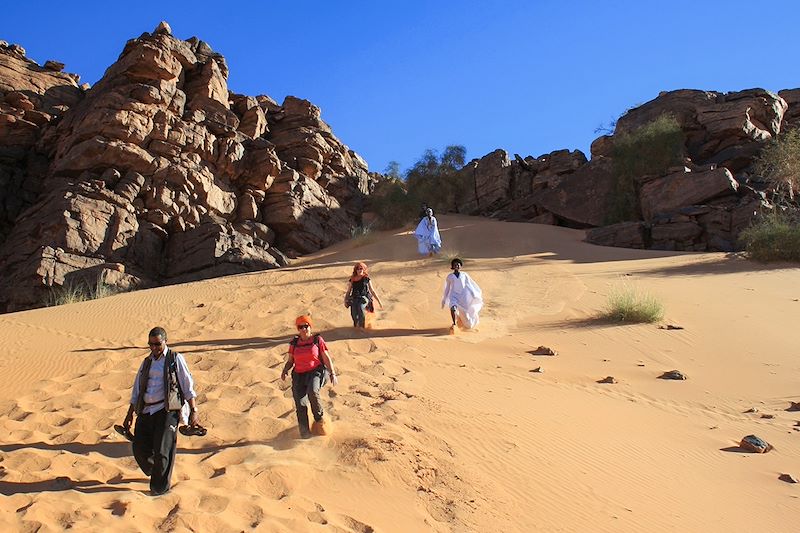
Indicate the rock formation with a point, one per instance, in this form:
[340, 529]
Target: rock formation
[702, 205]
[159, 174]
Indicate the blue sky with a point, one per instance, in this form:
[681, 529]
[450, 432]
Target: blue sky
[396, 78]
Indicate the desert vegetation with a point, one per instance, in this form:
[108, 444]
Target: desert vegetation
[71, 293]
[433, 180]
[775, 236]
[648, 151]
[629, 304]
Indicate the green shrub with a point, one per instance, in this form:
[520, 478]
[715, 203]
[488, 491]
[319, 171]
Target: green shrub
[392, 204]
[362, 235]
[779, 163]
[626, 304]
[774, 237]
[435, 179]
[71, 293]
[647, 151]
[447, 254]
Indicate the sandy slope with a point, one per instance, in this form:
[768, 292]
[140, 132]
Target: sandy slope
[431, 432]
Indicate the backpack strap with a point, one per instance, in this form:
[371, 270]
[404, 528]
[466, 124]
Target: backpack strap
[296, 339]
[172, 367]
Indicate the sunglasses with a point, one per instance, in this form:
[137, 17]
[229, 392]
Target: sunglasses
[303, 326]
[154, 344]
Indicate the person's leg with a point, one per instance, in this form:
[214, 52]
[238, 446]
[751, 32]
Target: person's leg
[166, 439]
[453, 313]
[362, 311]
[356, 312]
[312, 390]
[299, 385]
[314, 386]
[143, 443]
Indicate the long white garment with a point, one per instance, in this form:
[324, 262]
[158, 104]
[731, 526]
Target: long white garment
[465, 294]
[427, 234]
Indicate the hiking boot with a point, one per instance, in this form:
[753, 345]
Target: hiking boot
[319, 428]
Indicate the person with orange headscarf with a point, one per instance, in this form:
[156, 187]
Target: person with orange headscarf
[311, 365]
[359, 295]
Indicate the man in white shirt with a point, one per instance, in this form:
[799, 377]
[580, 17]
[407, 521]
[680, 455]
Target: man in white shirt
[155, 435]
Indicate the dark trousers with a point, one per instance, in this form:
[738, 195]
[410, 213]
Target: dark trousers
[358, 310]
[154, 442]
[305, 389]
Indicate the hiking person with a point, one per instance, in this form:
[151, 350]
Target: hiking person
[463, 296]
[312, 363]
[162, 391]
[423, 210]
[359, 295]
[429, 241]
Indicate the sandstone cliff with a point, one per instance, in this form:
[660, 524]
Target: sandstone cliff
[700, 205]
[159, 173]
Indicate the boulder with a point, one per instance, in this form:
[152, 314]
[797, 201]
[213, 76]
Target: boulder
[622, 234]
[754, 444]
[791, 118]
[212, 249]
[580, 199]
[304, 216]
[673, 191]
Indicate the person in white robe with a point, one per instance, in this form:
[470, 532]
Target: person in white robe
[427, 233]
[463, 296]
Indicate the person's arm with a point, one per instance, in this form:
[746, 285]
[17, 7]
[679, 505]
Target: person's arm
[327, 360]
[288, 366]
[349, 290]
[374, 294]
[186, 384]
[447, 286]
[134, 397]
[128, 417]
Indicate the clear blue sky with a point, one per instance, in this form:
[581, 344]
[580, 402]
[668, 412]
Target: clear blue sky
[395, 78]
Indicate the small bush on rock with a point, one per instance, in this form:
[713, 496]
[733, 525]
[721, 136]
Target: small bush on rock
[648, 151]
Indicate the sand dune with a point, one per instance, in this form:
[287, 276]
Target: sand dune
[430, 432]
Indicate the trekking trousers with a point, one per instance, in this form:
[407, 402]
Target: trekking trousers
[154, 443]
[305, 389]
[358, 311]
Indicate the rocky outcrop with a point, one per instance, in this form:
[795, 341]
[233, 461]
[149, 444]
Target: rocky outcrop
[159, 173]
[666, 194]
[31, 99]
[703, 205]
[792, 115]
[723, 129]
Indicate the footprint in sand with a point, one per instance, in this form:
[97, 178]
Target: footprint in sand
[356, 526]
[275, 482]
[317, 518]
[213, 503]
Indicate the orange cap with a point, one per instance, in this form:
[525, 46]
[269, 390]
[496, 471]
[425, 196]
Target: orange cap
[302, 319]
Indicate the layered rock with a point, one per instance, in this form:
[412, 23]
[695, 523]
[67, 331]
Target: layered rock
[723, 129]
[703, 205]
[161, 169]
[792, 115]
[31, 98]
